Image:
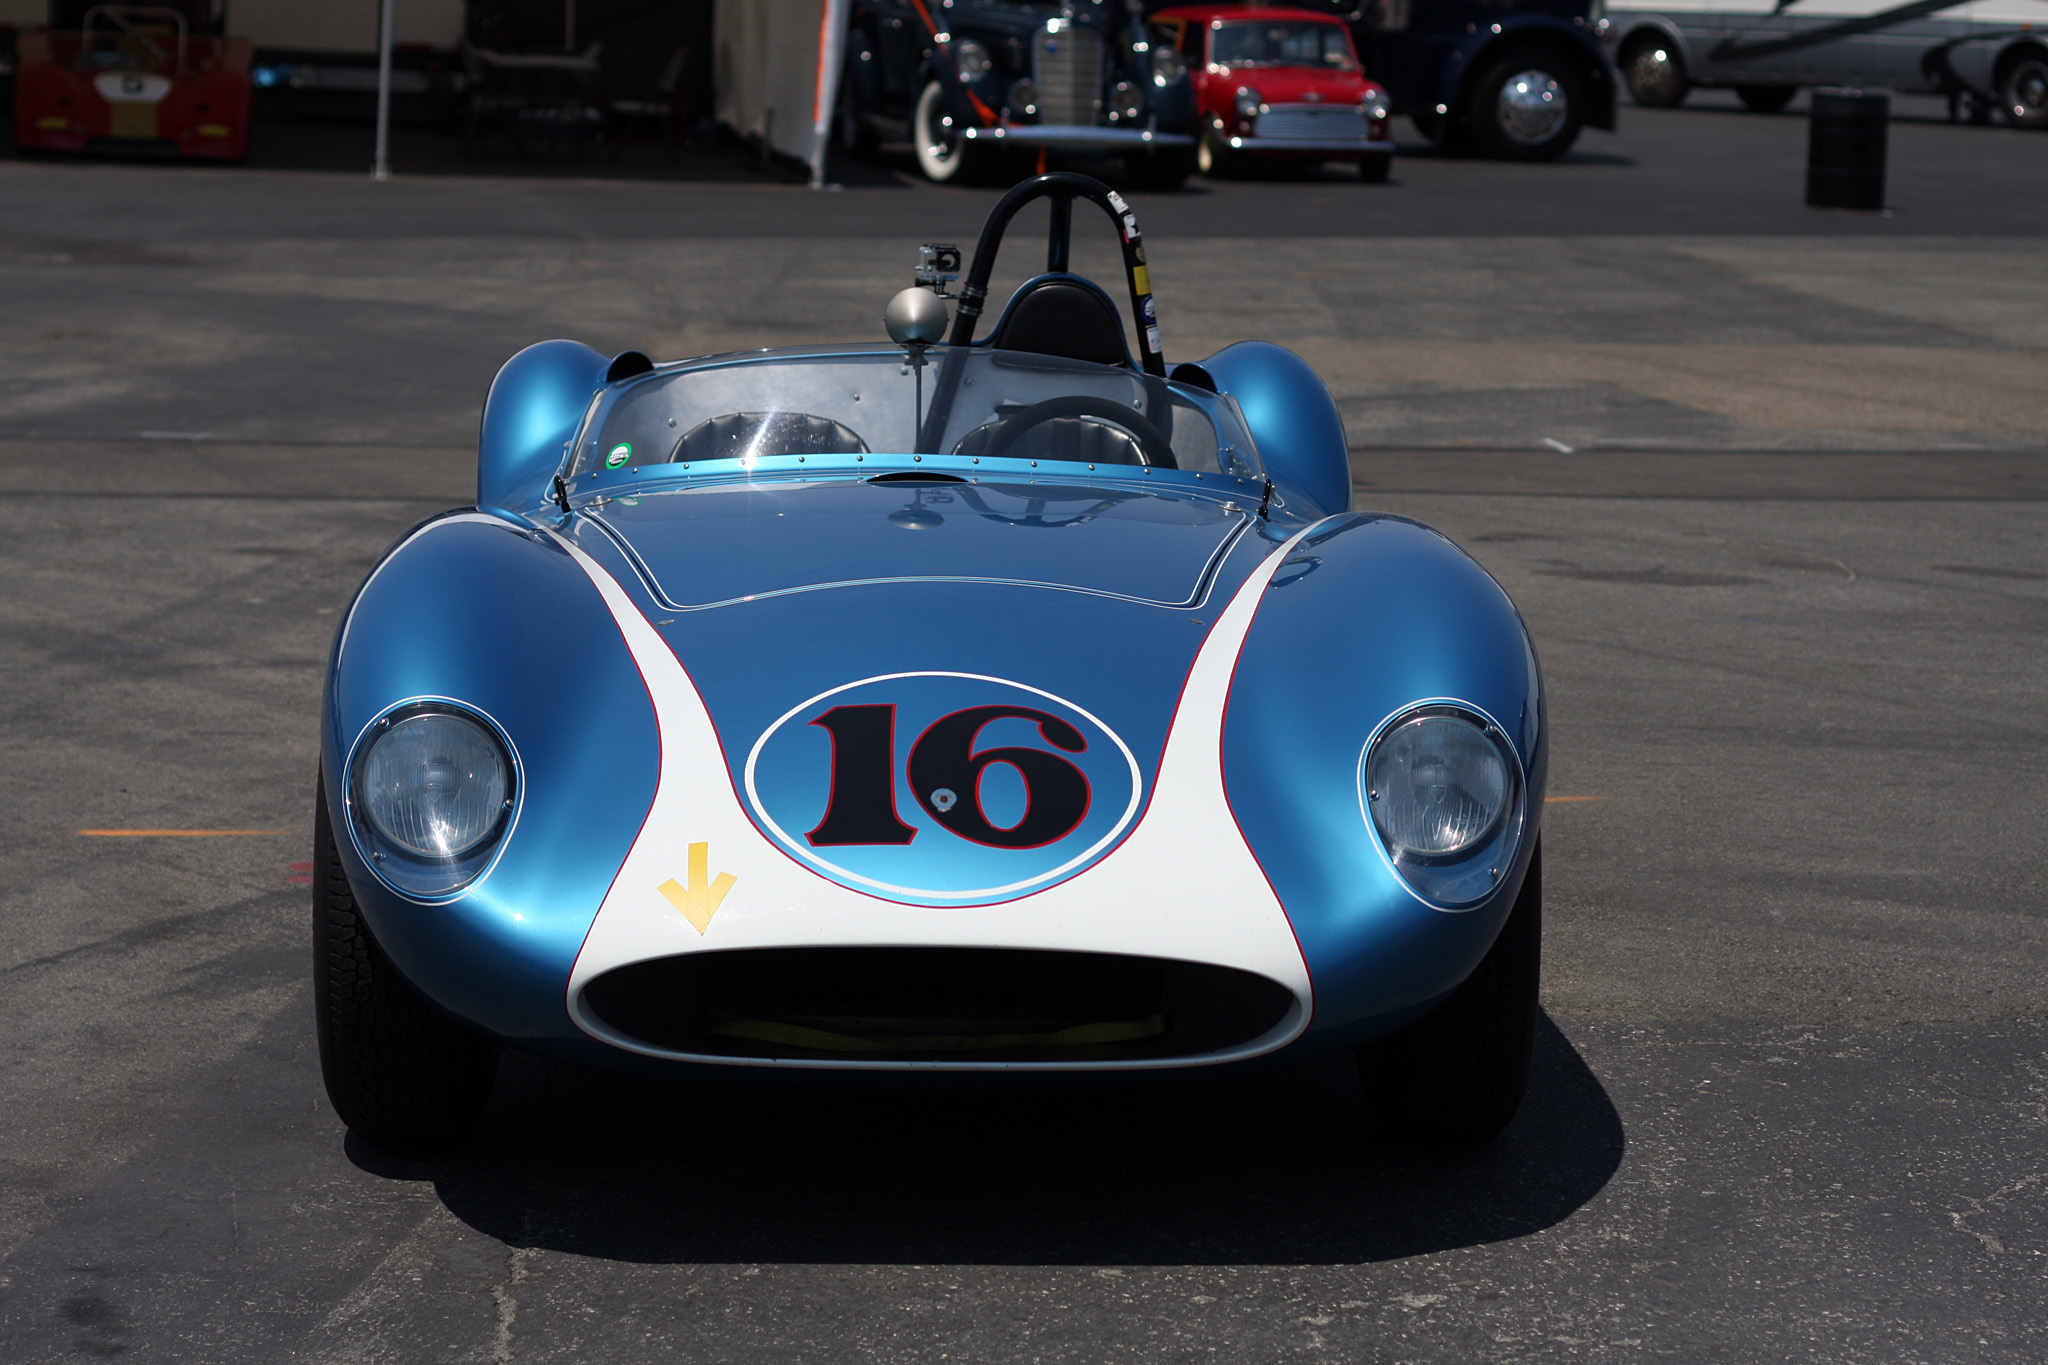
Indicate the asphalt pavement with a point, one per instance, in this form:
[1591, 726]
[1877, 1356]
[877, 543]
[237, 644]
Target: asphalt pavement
[1769, 485]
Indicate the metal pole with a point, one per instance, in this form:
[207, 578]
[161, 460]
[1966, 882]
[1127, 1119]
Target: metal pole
[382, 170]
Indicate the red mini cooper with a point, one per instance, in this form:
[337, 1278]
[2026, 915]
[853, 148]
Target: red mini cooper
[1278, 83]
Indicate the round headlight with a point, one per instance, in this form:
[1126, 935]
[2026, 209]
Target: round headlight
[1437, 786]
[436, 785]
[1168, 65]
[970, 58]
[1376, 110]
[1249, 102]
[1125, 103]
[1023, 99]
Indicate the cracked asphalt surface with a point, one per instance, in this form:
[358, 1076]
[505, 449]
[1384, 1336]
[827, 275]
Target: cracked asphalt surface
[1772, 492]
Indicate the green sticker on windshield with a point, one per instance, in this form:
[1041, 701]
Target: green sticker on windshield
[621, 453]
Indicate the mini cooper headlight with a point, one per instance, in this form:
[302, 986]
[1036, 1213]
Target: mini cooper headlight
[1443, 790]
[1376, 110]
[431, 793]
[1168, 65]
[971, 59]
[1249, 102]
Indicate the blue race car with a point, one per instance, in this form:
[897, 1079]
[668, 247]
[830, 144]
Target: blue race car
[955, 704]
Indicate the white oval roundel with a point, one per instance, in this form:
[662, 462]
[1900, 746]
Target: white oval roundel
[943, 788]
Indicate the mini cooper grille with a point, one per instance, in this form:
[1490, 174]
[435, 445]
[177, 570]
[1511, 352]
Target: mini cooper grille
[934, 1005]
[1312, 123]
[1069, 67]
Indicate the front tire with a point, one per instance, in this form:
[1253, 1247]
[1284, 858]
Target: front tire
[398, 1072]
[1527, 108]
[1765, 99]
[2024, 93]
[1456, 1076]
[1655, 73]
[1213, 157]
[943, 155]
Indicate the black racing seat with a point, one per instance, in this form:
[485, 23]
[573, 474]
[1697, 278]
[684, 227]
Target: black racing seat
[1063, 315]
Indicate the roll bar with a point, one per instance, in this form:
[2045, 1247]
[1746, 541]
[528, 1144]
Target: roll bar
[1063, 188]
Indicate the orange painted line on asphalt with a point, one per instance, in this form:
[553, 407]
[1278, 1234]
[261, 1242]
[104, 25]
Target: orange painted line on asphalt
[1569, 800]
[172, 833]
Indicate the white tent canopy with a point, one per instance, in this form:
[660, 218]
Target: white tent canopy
[776, 74]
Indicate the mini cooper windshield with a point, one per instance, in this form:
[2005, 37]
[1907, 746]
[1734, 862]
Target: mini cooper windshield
[983, 405]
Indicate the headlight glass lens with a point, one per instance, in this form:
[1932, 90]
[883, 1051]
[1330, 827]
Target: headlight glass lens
[436, 785]
[970, 58]
[1023, 99]
[1436, 786]
[1125, 103]
[1248, 102]
[1168, 65]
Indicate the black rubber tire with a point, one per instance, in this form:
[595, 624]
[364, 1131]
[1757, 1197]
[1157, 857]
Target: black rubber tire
[1765, 99]
[1456, 1076]
[1375, 167]
[1161, 171]
[1492, 140]
[2023, 92]
[1212, 158]
[1651, 84]
[399, 1072]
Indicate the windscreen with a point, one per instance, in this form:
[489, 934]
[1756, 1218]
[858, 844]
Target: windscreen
[1271, 44]
[976, 403]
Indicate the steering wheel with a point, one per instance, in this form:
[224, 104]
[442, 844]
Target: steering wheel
[1155, 445]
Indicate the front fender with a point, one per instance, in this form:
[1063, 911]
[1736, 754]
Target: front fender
[490, 613]
[1369, 615]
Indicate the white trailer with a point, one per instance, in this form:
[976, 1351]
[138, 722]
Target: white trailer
[1994, 52]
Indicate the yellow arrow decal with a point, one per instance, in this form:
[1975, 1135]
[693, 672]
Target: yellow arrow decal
[701, 899]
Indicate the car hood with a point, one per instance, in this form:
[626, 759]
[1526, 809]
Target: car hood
[723, 545]
[848, 640]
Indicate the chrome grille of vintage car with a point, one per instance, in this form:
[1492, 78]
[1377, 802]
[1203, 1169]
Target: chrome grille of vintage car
[1068, 66]
[1312, 123]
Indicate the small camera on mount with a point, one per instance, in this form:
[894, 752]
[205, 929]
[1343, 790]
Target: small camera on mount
[938, 265]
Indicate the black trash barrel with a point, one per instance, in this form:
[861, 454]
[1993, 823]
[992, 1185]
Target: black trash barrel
[1845, 149]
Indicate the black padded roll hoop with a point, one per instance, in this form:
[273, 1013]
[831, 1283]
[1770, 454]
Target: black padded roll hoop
[1845, 149]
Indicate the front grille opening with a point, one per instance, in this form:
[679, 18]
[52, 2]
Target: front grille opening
[935, 1004]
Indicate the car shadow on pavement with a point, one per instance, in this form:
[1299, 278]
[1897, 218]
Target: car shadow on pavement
[1260, 1169]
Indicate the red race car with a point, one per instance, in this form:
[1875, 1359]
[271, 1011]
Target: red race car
[1278, 83]
[133, 78]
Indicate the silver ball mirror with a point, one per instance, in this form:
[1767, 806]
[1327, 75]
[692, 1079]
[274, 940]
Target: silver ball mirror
[916, 317]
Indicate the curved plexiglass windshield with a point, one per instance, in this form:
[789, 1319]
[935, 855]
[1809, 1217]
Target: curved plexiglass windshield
[1261, 43]
[981, 403]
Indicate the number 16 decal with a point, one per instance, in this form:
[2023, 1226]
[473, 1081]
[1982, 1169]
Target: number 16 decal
[945, 773]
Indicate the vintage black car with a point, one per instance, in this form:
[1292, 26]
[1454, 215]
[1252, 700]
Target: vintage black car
[966, 80]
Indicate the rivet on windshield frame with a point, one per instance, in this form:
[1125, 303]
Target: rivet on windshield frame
[799, 459]
[917, 459]
[977, 459]
[1091, 466]
[858, 458]
[1034, 464]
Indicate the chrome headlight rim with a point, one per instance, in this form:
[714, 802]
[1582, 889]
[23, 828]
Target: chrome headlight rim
[1468, 877]
[423, 879]
[972, 59]
[1168, 64]
[1248, 103]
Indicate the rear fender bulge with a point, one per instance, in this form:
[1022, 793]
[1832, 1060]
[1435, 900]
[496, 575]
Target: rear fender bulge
[1293, 419]
[494, 616]
[1368, 615]
[531, 415]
